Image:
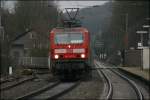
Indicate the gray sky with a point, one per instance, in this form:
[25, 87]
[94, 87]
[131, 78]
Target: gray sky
[65, 4]
[80, 4]
[9, 5]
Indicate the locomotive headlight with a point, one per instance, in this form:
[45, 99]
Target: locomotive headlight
[82, 55]
[56, 56]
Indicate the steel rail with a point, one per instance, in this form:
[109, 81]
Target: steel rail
[36, 92]
[9, 79]
[4, 81]
[110, 87]
[132, 83]
[63, 92]
[16, 84]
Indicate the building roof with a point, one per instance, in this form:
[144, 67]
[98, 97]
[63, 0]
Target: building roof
[21, 35]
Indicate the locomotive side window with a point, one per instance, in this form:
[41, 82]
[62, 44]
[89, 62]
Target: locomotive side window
[68, 38]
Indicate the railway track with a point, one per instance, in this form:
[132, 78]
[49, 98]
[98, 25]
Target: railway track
[133, 84]
[50, 91]
[8, 79]
[109, 90]
[118, 85]
[16, 83]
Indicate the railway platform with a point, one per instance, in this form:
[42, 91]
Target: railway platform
[137, 72]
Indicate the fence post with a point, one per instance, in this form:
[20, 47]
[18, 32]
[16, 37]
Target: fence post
[10, 70]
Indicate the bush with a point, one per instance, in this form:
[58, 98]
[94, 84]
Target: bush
[27, 72]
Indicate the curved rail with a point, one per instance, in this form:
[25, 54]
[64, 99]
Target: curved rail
[133, 84]
[110, 88]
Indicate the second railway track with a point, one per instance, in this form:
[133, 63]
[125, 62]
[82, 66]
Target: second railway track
[16, 83]
[122, 87]
[50, 91]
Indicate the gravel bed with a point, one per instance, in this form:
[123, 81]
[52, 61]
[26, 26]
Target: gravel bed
[27, 87]
[88, 89]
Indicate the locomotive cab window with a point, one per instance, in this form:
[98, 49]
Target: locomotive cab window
[68, 38]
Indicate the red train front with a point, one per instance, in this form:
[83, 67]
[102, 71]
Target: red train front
[69, 51]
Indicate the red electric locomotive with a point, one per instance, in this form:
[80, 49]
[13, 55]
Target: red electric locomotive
[69, 50]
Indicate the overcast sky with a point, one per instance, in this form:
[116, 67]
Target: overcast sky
[80, 4]
[67, 4]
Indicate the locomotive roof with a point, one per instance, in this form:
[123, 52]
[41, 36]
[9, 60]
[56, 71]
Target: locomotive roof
[62, 29]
